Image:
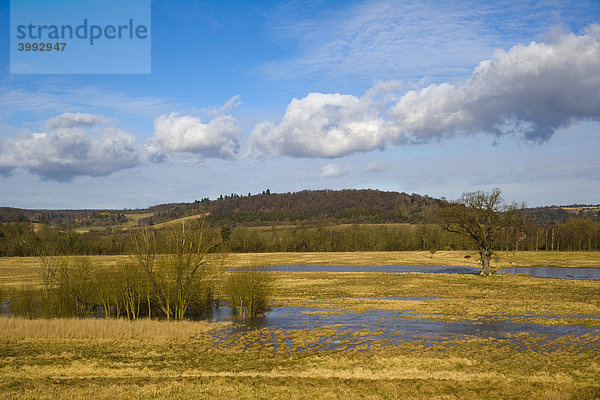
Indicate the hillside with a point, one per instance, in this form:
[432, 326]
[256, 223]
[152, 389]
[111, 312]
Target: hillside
[310, 207]
[327, 206]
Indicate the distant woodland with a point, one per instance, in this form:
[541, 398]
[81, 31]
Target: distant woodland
[322, 220]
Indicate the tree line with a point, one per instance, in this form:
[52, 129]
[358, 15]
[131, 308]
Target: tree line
[577, 234]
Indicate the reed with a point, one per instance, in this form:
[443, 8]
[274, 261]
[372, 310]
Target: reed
[104, 329]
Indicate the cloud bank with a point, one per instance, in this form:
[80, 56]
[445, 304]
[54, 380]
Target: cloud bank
[530, 91]
[81, 144]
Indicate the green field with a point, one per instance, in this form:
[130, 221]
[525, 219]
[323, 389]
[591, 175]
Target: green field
[106, 359]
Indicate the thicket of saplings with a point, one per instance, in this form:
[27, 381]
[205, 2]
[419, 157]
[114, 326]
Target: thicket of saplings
[172, 275]
[21, 239]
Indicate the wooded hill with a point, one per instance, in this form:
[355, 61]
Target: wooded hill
[309, 206]
[312, 207]
[321, 220]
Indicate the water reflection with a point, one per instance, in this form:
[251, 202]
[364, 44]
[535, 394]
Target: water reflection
[346, 329]
[555, 272]
[379, 268]
[288, 317]
[540, 272]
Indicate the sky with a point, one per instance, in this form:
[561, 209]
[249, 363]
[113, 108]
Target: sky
[427, 97]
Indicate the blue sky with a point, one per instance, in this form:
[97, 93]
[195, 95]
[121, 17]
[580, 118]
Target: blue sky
[425, 97]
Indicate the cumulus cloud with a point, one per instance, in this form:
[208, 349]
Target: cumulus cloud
[530, 91]
[175, 133]
[321, 125]
[333, 170]
[72, 144]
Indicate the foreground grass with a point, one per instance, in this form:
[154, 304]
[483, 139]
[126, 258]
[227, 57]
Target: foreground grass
[101, 329]
[49, 366]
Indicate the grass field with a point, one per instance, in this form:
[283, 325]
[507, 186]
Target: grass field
[107, 359]
[19, 270]
[178, 221]
[51, 367]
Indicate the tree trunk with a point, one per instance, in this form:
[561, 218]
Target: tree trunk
[485, 262]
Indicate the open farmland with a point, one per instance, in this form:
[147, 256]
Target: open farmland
[359, 337]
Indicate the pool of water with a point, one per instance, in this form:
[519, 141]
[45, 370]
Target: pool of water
[555, 272]
[347, 329]
[362, 268]
[539, 272]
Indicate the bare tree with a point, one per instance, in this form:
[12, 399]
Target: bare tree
[481, 217]
[172, 276]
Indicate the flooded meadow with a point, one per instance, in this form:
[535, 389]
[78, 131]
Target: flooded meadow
[332, 331]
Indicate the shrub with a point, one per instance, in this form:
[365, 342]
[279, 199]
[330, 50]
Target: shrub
[201, 301]
[22, 302]
[248, 291]
[67, 287]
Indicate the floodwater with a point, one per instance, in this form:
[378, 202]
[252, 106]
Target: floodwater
[342, 329]
[555, 272]
[539, 272]
[362, 268]
[352, 329]
[346, 329]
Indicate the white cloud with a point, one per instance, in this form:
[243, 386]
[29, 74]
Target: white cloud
[333, 170]
[74, 120]
[72, 144]
[529, 91]
[321, 125]
[175, 133]
[374, 167]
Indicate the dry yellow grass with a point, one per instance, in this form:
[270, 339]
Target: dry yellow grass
[108, 359]
[84, 368]
[503, 259]
[178, 221]
[577, 209]
[133, 219]
[112, 329]
[24, 270]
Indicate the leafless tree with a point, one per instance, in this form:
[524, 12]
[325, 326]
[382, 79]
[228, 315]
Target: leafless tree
[481, 217]
[172, 276]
